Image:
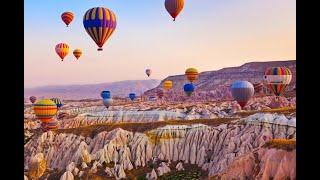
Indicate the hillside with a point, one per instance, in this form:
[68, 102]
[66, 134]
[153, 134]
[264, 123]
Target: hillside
[218, 82]
[121, 88]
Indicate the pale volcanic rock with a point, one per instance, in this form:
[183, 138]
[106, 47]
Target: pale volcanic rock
[71, 167]
[84, 165]
[81, 173]
[37, 166]
[263, 164]
[109, 172]
[25, 177]
[211, 148]
[179, 166]
[118, 171]
[75, 171]
[67, 176]
[152, 175]
[163, 169]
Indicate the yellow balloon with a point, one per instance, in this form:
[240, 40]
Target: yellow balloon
[167, 85]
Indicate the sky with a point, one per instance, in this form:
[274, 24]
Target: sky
[207, 35]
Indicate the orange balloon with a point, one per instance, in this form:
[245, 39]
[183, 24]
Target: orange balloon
[62, 49]
[77, 53]
[67, 17]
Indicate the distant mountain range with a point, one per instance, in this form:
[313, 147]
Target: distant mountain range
[211, 80]
[215, 81]
[92, 91]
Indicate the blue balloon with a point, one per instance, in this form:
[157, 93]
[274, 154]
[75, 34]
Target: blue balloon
[105, 94]
[188, 88]
[132, 96]
[242, 91]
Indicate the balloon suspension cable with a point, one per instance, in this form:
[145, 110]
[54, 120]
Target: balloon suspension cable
[174, 19]
[100, 49]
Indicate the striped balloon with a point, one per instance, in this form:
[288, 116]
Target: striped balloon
[77, 53]
[32, 99]
[174, 7]
[67, 17]
[257, 87]
[242, 91]
[57, 102]
[192, 74]
[99, 23]
[278, 78]
[167, 85]
[62, 49]
[45, 109]
[51, 125]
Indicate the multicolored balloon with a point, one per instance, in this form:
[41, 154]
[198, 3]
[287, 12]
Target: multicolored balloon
[242, 91]
[174, 7]
[148, 72]
[107, 102]
[188, 89]
[77, 53]
[62, 49]
[67, 17]
[105, 94]
[32, 99]
[51, 125]
[45, 109]
[257, 87]
[192, 74]
[278, 78]
[99, 23]
[132, 96]
[57, 101]
[167, 85]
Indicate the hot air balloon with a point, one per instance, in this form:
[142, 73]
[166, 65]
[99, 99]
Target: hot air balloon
[277, 79]
[107, 102]
[57, 101]
[105, 94]
[174, 7]
[99, 23]
[257, 87]
[62, 49]
[160, 94]
[242, 91]
[188, 89]
[45, 109]
[132, 96]
[52, 125]
[148, 72]
[33, 99]
[67, 17]
[192, 74]
[77, 53]
[167, 85]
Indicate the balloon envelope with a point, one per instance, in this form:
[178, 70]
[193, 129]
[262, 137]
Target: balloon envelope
[174, 7]
[242, 91]
[32, 99]
[277, 79]
[105, 94]
[57, 101]
[188, 89]
[77, 53]
[192, 74]
[167, 85]
[132, 96]
[45, 109]
[67, 17]
[62, 49]
[148, 72]
[107, 102]
[99, 23]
